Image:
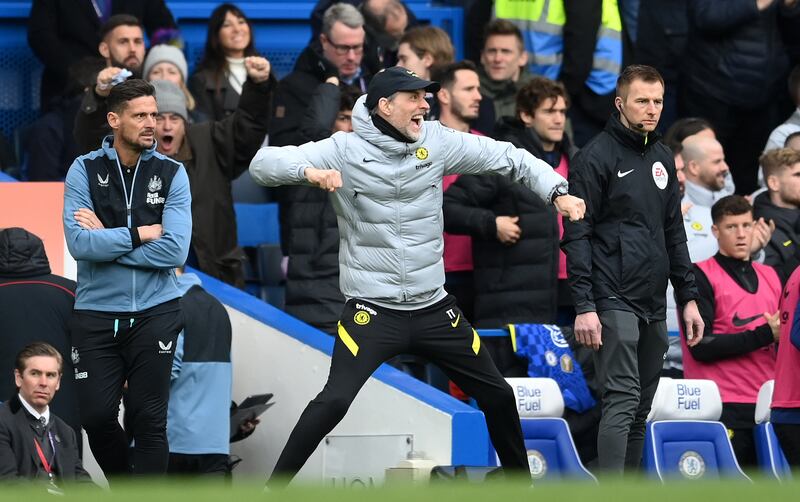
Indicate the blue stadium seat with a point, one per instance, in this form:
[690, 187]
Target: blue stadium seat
[552, 455]
[551, 451]
[259, 235]
[769, 454]
[683, 439]
[257, 224]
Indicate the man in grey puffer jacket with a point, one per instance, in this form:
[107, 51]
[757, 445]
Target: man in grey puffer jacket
[387, 182]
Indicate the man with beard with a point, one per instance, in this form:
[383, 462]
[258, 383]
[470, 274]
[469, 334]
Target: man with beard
[385, 178]
[51, 143]
[520, 274]
[459, 103]
[214, 153]
[122, 48]
[705, 171]
[127, 222]
[63, 33]
[781, 204]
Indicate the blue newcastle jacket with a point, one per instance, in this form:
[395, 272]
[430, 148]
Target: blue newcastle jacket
[198, 417]
[116, 272]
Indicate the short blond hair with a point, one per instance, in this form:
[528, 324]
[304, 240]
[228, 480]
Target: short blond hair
[434, 41]
[778, 160]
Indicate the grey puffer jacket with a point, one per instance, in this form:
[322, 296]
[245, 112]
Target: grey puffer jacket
[389, 208]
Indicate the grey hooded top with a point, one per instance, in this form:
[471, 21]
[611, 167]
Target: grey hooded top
[389, 208]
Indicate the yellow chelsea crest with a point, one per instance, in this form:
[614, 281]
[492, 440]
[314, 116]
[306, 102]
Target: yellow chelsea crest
[697, 226]
[361, 318]
[421, 153]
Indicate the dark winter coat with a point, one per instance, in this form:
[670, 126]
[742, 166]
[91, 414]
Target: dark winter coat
[294, 92]
[309, 231]
[211, 103]
[783, 249]
[513, 283]
[35, 305]
[735, 51]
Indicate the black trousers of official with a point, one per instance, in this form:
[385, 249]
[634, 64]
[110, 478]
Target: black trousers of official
[628, 367]
[113, 349]
[439, 333]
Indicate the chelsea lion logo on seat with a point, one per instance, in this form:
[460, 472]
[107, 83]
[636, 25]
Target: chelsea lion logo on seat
[537, 464]
[691, 465]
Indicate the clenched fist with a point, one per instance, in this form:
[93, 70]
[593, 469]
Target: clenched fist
[570, 206]
[326, 179]
[258, 68]
[103, 84]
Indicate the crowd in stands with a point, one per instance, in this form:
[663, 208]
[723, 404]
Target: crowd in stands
[543, 80]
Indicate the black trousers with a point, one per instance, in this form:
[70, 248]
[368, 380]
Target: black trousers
[789, 438]
[628, 366]
[112, 349]
[207, 465]
[739, 418]
[368, 336]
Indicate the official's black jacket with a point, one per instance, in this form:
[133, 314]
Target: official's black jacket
[632, 238]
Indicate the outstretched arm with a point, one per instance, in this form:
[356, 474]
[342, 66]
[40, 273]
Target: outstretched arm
[287, 165]
[472, 154]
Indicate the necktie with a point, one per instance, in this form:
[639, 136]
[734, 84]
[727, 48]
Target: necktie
[44, 439]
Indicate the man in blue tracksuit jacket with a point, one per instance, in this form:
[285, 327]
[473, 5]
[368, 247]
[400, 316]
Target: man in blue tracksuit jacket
[127, 222]
[200, 391]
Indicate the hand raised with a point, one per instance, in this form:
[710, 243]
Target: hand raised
[258, 68]
[104, 77]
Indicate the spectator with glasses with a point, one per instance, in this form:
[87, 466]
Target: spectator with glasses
[336, 57]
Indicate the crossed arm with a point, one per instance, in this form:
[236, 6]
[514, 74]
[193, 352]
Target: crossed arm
[163, 245]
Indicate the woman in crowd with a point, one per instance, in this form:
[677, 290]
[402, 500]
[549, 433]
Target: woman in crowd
[217, 83]
[167, 62]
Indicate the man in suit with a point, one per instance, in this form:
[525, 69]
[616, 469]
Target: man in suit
[34, 443]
